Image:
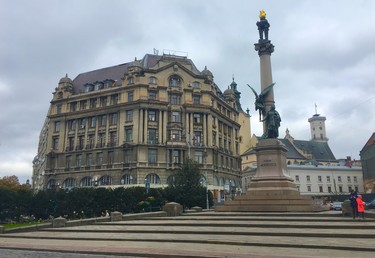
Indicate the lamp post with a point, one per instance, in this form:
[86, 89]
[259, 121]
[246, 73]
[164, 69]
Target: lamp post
[205, 164]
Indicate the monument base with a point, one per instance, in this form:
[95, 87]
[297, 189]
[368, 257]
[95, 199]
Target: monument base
[271, 189]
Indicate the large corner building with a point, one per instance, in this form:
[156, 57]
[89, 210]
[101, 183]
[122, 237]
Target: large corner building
[135, 123]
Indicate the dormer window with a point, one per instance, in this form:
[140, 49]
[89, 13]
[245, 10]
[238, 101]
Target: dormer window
[131, 80]
[99, 86]
[89, 87]
[175, 81]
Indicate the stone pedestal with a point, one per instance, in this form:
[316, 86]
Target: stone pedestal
[173, 209]
[271, 189]
[116, 216]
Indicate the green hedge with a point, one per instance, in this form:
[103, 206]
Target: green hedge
[21, 204]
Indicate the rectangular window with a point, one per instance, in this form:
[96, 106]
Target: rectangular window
[112, 139]
[73, 106]
[58, 108]
[89, 159]
[55, 143]
[198, 157]
[339, 179]
[197, 118]
[319, 179]
[103, 101]
[176, 156]
[349, 189]
[355, 179]
[57, 126]
[151, 115]
[113, 118]
[70, 143]
[340, 189]
[349, 179]
[82, 123]
[175, 135]
[101, 140]
[130, 96]
[328, 179]
[91, 140]
[197, 138]
[308, 178]
[152, 136]
[196, 99]
[103, 120]
[152, 156]
[297, 178]
[128, 134]
[81, 142]
[79, 160]
[152, 95]
[175, 99]
[309, 188]
[93, 103]
[129, 115]
[321, 189]
[114, 99]
[111, 157]
[100, 158]
[92, 122]
[329, 189]
[68, 161]
[175, 116]
[83, 104]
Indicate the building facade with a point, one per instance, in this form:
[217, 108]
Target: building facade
[311, 164]
[367, 155]
[135, 123]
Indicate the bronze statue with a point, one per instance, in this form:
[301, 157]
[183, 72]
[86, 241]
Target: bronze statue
[263, 26]
[272, 120]
[259, 99]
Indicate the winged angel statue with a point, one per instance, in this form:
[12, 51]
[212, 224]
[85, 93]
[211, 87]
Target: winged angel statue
[259, 99]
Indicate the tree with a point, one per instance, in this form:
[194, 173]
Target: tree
[186, 188]
[10, 182]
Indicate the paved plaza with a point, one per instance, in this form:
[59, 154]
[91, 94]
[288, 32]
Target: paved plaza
[205, 234]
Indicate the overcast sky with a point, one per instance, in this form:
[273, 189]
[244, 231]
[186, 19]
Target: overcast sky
[324, 54]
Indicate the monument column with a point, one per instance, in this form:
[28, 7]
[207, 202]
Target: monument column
[271, 188]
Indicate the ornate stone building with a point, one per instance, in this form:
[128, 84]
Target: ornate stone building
[311, 164]
[135, 123]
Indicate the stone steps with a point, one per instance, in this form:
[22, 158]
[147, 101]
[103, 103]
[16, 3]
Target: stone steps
[276, 234]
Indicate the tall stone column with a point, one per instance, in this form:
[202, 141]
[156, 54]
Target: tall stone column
[271, 188]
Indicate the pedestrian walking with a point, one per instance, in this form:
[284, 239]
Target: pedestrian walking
[361, 207]
[353, 202]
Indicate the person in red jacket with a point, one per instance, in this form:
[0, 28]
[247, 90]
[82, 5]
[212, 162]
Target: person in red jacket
[361, 207]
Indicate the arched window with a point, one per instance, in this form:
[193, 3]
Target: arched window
[203, 180]
[175, 81]
[216, 181]
[105, 180]
[152, 179]
[222, 181]
[86, 181]
[69, 183]
[127, 179]
[51, 184]
[153, 80]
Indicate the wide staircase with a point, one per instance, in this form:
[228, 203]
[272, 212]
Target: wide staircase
[209, 234]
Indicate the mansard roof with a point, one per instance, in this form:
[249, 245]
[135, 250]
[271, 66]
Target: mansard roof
[116, 73]
[319, 151]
